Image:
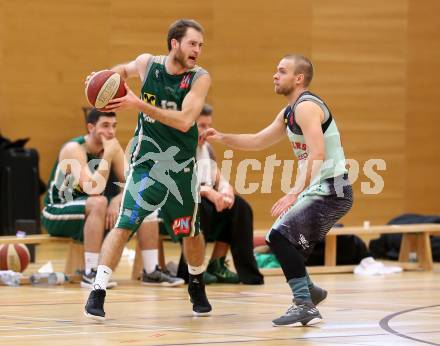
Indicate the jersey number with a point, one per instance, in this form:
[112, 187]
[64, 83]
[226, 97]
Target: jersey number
[168, 105]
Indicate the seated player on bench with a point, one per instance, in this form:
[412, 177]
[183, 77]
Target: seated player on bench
[75, 205]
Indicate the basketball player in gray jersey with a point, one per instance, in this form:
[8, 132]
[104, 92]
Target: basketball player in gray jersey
[322, 193]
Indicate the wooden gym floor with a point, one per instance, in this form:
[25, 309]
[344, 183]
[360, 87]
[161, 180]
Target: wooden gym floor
[399, 309]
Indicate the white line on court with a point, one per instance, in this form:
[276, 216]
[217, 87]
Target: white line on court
[35, 318]
[82, 333]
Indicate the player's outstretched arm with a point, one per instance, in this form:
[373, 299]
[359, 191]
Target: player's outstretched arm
[267, 137]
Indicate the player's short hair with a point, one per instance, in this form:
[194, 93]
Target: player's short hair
[93, 116]
[303, 66]
[178, 30]
[206, 110]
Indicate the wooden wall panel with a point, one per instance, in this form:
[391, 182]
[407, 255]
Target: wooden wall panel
[359, 50]
[423, 108]
[48, 50]
[249, 41]
[45, 65]
[374, 62]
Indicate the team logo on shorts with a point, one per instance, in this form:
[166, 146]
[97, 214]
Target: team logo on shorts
[182, 225]
[303, 241]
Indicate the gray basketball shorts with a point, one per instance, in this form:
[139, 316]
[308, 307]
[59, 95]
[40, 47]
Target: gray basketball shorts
[314, 213]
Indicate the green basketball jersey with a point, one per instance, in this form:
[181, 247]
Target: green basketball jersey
[334, 162]
[166, 91]
[62, 187]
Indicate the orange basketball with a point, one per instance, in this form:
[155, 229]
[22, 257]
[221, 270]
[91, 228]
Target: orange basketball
[104, 86]
[14, 257]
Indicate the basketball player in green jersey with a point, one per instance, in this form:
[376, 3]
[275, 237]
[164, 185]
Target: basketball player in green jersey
[162, 174]
[74, 204]
[322, 193]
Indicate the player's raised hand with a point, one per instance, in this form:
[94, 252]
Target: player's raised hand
[111, 146]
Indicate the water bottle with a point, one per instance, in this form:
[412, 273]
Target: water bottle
[10, 278]
[56, 278]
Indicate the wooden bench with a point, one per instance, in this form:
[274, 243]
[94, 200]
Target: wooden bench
[415, 238]
[75, 254]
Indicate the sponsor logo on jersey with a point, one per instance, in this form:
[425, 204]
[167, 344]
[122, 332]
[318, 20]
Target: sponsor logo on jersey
[149, 98]
[184, 84]
[148, 119]
[182, 225]
[299, 145]
[303, 156]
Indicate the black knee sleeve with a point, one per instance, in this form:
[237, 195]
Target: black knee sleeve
[291, 261]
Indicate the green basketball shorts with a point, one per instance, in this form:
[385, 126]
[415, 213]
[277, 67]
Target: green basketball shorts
[168, 186]
[65, 220]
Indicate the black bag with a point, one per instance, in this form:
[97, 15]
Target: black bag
[19, 192]
[350, 249]
[388, 245]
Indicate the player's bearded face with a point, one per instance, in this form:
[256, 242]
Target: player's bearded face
[284, 86]
[181, 58]
[284, 89]
[188, 49]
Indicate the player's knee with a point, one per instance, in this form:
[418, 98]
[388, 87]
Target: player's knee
[97, 204]
[277, 242]
[273, 237]
[121, 233]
